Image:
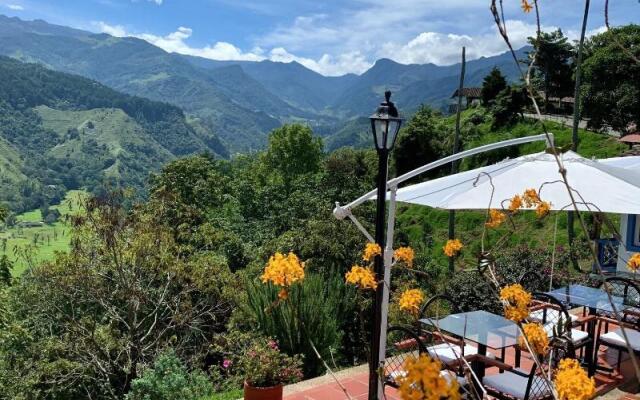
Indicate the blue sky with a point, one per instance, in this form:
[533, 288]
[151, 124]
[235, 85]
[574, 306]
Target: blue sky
[329, 36]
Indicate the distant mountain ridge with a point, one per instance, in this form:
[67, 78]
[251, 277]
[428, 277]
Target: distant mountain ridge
[241, 101]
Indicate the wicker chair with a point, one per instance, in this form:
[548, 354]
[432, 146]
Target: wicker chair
[558, 323]
[630, 292]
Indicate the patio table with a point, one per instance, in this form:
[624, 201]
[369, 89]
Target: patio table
[480, 327]
[593, 299]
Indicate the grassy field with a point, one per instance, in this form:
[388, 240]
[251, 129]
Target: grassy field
[39, 243]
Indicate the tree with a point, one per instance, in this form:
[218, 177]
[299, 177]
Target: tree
[492, 85]
[85, 325]
[554, 55]
[293, 151]
[508, 105]
[424, 139]
[5, 270]
[611, 90]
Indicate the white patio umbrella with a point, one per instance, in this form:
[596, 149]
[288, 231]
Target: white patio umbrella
[597, 186]
[630, 162]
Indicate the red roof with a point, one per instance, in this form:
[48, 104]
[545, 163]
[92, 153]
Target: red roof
[631, 138]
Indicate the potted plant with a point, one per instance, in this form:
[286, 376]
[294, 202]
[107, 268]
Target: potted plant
[267, 370]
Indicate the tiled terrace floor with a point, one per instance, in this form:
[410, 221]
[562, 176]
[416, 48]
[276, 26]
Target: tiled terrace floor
[621, 385]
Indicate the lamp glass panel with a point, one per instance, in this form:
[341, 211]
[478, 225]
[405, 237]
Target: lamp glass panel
[394, 127]
[382, 127]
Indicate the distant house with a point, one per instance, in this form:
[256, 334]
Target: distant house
[470, 96]
[562, 105]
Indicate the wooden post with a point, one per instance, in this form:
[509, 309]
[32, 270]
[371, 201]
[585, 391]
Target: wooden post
[456, 145]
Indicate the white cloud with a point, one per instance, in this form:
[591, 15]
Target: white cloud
[15, 7]
[175, 42]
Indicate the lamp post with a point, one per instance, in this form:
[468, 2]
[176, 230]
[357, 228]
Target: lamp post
[385, 124]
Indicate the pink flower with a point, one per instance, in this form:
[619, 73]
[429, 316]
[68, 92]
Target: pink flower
[273, 344]
[226, 363]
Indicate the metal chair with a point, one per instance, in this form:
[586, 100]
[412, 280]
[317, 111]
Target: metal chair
[517, 383]
[532, 281]
[630, 292]
[402, 343]
[615, 340]
[558, 323]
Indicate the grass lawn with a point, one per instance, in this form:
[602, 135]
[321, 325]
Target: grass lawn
[39, 243]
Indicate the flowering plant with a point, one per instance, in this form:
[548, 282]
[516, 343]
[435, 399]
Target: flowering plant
[496, 218]
[572, 382]
[516, 302]
[411, 300]
[264, 365]
[371, 251]
[405, 255]
[362, 277]
[283, 271]
[424, 381]
[634, 262]
[452, 247]
[537, 338]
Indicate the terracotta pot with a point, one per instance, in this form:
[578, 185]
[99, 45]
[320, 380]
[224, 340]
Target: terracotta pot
[262, 393]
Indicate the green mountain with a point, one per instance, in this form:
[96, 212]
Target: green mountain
[240, 101]
[60, 131]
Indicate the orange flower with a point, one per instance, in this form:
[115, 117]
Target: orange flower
[371, 251]
[537, 338]
[362, 277]
[452, 247]
[496, 218]
[543, 209]
[526, 7]
[531, 197]
[515, 203]
[283, 294]
[634, 262]
[405, 255]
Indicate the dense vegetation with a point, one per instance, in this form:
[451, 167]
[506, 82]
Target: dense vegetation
[155, 296]
[60, 132]
[166, 286]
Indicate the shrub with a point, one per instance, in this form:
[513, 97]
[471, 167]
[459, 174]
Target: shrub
[170, 380]
[310, 313]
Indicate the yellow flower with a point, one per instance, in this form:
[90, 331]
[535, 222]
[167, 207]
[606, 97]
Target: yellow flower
[405, 254]
[496, 218]
[424, 382]
[543, 208]
[411, 300]
[515, 203]
[452, 247]
[537, 338]
[371, 251]
[634, 262]
[517, 300]
[362, 277]
[283, 270]
[531, 197]
[526, 7]
[572, 382]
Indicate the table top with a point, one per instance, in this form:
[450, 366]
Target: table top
[480, 327]
[588, 297]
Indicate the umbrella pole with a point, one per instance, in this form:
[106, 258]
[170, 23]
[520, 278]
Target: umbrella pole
[454, 164]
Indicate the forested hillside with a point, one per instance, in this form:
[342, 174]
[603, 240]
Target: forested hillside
[241, 101]
[60, 132]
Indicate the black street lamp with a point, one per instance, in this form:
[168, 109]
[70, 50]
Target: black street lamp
[385, 124]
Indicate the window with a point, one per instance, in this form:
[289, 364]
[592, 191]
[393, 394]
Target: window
[633, 233]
